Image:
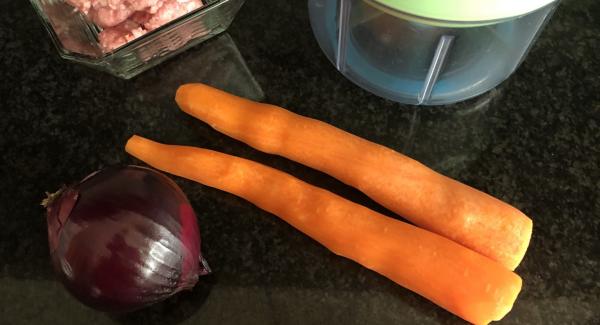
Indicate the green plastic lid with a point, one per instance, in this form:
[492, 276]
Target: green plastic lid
[462, 11]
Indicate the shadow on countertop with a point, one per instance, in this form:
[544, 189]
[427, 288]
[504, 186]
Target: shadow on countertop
[173, 310]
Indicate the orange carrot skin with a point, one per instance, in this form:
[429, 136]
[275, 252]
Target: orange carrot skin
[403, 185]
[460, 280]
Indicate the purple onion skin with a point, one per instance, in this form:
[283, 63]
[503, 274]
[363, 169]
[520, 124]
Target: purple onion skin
[124, 238]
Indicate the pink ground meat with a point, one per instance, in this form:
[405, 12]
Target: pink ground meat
[126, 20]
[170, 10]
[116, 36]
[140, 17]
[108, 17]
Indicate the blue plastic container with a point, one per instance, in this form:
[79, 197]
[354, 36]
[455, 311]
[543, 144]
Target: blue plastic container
[426, 55]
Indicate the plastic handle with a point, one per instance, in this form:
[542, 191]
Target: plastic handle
[343, 22]
[441, 53]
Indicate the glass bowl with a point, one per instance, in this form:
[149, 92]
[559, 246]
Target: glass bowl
[76, 37]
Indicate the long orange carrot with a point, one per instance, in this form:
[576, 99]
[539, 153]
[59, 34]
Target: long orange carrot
[403, 185]
[458, 279]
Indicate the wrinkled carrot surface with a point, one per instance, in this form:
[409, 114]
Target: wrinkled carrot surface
[458, 279]
[403, 185]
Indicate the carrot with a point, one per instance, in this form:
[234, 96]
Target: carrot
[456, 278]
[403, 185]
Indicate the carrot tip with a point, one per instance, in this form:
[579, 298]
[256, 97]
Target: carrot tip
[132, 142]
[183, 93]
[137, 145]
[526, 234]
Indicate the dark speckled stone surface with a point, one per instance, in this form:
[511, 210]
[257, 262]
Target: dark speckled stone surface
[534, 142]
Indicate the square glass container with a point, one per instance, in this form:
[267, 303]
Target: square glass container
[76, 37]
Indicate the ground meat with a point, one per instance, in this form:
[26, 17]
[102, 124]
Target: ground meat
[108, 17]
[125, 20]
[171, 9]
[116, 36]
[140, 17]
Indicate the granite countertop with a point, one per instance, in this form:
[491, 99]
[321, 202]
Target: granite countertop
[533, 142]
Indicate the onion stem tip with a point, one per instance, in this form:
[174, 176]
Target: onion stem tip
[51, 197]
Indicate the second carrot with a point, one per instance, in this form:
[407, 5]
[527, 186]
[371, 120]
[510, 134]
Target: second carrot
[403, 185]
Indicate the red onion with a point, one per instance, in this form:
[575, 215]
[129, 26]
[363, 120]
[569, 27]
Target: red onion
[124, 238]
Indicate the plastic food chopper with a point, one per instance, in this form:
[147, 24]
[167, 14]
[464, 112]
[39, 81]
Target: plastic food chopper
[428, 52]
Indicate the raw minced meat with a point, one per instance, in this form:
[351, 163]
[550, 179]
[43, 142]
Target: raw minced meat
[116, 36]
[126, 20]
[170, 10]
